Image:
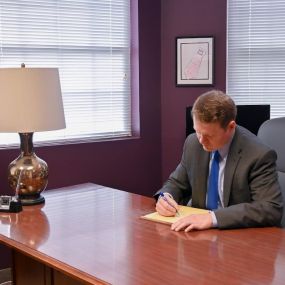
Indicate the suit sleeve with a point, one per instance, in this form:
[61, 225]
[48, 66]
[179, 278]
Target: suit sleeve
[178, 182]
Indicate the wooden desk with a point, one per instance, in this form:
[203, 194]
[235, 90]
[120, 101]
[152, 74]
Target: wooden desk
[90, 234]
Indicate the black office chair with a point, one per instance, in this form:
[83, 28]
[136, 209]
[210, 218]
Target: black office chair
[272, 133]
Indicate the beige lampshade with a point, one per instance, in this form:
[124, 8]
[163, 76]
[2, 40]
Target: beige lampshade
[30, 100]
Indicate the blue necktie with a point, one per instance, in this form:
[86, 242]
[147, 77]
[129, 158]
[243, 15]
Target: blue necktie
[213, 193]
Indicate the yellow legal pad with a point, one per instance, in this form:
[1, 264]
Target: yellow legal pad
[183, 211]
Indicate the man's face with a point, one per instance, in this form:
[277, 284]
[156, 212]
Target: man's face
[211, 135]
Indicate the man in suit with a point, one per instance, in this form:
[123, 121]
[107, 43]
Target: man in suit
[248, 192]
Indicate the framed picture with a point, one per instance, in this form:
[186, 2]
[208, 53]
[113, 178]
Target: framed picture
[194, 61]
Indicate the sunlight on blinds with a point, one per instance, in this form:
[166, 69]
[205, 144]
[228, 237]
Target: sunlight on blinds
[89, 42]
[256, 53]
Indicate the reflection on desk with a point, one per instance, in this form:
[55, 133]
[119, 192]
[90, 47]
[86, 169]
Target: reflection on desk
[30, 226]
[94, 235]
[230, 254]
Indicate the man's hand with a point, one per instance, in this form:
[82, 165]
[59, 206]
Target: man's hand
[166, 206]
[193, 222]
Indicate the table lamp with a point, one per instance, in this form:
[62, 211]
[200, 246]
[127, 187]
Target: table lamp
[30, 102]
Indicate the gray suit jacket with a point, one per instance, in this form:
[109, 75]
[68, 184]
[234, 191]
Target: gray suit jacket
[252, 195]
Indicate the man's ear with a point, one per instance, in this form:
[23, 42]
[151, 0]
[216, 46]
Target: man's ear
[232, 124]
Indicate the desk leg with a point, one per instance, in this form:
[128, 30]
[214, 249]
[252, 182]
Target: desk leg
[28, 271]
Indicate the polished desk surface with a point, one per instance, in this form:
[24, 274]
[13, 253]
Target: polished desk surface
[95, 234]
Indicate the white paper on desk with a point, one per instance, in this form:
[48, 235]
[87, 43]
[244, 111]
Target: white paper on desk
[183, 211]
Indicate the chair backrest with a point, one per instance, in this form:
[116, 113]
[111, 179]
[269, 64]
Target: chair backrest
[272, 133]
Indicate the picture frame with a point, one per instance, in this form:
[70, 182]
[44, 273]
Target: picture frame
[195, 61]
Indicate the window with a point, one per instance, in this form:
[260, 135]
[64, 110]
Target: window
[256, 53]
[89, 42]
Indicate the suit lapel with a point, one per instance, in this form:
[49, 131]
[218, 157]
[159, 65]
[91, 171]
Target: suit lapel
[231, 164]
[199, 200]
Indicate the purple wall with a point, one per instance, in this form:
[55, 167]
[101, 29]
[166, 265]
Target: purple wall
[132, 165]
[186, 18]
[141, 165]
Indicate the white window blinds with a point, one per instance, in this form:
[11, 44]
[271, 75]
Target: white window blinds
[89, 41]
[256, 53]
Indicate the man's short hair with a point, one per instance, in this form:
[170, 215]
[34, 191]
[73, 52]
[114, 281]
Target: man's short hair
[214, 106]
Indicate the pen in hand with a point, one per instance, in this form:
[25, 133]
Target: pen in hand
[161, 195]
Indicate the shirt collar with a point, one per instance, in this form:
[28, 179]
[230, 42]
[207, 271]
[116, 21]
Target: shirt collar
[223, 151]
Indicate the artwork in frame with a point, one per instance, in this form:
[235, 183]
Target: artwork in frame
[194, 61]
